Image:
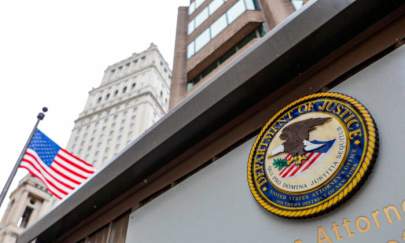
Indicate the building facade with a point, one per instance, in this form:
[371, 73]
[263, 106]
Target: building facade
[133, 95]
[212, 33]
[28, 202]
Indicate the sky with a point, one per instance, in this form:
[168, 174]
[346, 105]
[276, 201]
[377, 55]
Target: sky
[53, 52]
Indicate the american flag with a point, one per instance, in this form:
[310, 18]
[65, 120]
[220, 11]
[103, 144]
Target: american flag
[293, 169]
[61, 171]
[311, 157]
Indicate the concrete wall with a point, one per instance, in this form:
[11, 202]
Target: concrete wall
[215, 204]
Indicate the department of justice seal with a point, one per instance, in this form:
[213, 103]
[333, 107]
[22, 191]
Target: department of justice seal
[312, 155]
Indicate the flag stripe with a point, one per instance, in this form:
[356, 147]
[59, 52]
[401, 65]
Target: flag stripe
[74, 159]
[49, 182]
[60, 170]
[71, 169]
[74, 164]
[77, 158]
[292, 166]
[55, 173]
[50, 177]
[65, 167]
[303, 163]
[40, 177]
[312, 161]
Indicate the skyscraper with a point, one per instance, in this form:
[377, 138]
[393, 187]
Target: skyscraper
[133, 94]
[210, 33]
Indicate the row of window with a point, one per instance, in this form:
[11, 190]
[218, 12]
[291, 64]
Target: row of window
[98, 117]
[204, 14]
[194, 5]
[255, 34]
[221, 23]
[107, 96]
[128, 64]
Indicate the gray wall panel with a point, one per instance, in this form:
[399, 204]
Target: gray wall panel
[215, 204]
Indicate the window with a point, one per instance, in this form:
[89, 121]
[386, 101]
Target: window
[218, 26]
[112, 70]
[99, 99]
[201, 17]
[297, 3]
[235, 11]
[191, 9]
[107, 96]
[120, 67]
[190, 50]
[253, 35]
[124, 89]
[205, 13]
[191, 27]
[202, 39]
[25, 218]
[127, 64]
[115, 92]
[135, 61]
[143, 58]
[198, 3]
[250, 4]
[133, 85]
[214, 5]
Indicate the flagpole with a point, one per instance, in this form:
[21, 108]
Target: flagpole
[3, 194]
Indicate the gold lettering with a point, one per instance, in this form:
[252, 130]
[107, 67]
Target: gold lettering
[338, 109]
[349, 118]
[302, 108]
[403, 206]
[366, 224]
[298, 241]
[344, 113]
[346, 225]
[310, 106]
[387, 214]
[261, 181]
[335, 229]
[261, 152]
[351, 122]
[329, 107]
[354, 133]
[322, 107]
[376, 220]
[323, 237]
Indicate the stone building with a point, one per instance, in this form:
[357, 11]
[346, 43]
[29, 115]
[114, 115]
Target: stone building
[212, 33]
[133, 94]
[28, 202]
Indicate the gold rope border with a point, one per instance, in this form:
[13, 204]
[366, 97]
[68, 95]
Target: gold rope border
[371, 133]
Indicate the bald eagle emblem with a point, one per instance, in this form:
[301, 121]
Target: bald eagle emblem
[300, 152]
